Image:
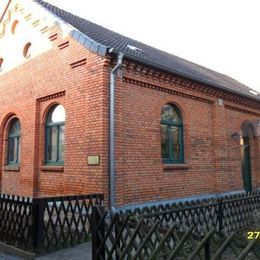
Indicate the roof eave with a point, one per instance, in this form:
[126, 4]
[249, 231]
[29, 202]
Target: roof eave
[163, 68]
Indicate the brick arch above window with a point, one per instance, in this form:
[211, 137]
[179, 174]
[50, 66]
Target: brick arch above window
[46, 109]
[176, 101]
[12, 112]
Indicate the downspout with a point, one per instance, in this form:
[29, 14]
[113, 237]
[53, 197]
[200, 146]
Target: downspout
[112, 132]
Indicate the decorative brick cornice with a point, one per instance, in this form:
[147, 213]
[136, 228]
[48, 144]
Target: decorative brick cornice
[78, 63]
[52, 96]
[242, 110]
[183, 83]
[166, 90]
[63, 45]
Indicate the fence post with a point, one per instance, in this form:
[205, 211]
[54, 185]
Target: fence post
[220, 215]
[117, 227]
[37, 224]
[98, 232]
[207, 250]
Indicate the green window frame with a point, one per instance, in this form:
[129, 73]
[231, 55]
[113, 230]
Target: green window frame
[54, 136]
[13, 147]
[172, 145]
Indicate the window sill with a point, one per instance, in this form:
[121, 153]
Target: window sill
[13, 168]
[182, 166]
[52, 168]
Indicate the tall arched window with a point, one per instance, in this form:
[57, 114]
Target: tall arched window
[171, 134]
[13, 149]
[55, 136]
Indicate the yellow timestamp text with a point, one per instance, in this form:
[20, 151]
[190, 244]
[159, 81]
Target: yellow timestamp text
[251, 235]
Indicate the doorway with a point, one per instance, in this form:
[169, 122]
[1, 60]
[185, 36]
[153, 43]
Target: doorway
[245, 163]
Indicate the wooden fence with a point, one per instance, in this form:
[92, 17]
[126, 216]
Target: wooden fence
[225, 214]
[46, 224]
[193, 230]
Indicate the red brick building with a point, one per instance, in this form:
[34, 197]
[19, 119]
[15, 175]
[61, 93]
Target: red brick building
[179, 129]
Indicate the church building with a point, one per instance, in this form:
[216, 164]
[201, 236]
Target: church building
[85, 110]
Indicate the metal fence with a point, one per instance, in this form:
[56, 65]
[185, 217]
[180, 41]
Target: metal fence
[45, 224]
[192, 230]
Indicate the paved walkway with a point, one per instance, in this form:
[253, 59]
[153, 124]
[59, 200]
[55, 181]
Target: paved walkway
[79, 252]
[5, 256]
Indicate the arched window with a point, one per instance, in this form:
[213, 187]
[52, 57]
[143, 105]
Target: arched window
[14, 25]
[171, 135]
[55, 135]
[13, 149]
[26, 50]
[1, 64]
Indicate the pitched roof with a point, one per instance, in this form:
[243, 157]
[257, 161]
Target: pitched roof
[150, 55]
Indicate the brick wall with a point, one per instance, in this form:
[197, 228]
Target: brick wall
[28, 92]
[212, 158]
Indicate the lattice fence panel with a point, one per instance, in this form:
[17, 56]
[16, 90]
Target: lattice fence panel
[16, 221]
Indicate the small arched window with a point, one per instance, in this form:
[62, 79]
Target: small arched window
[1, 64]
[14, 135]
[55, 122]
[26, 50]
[171, 135]
[14, 25]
